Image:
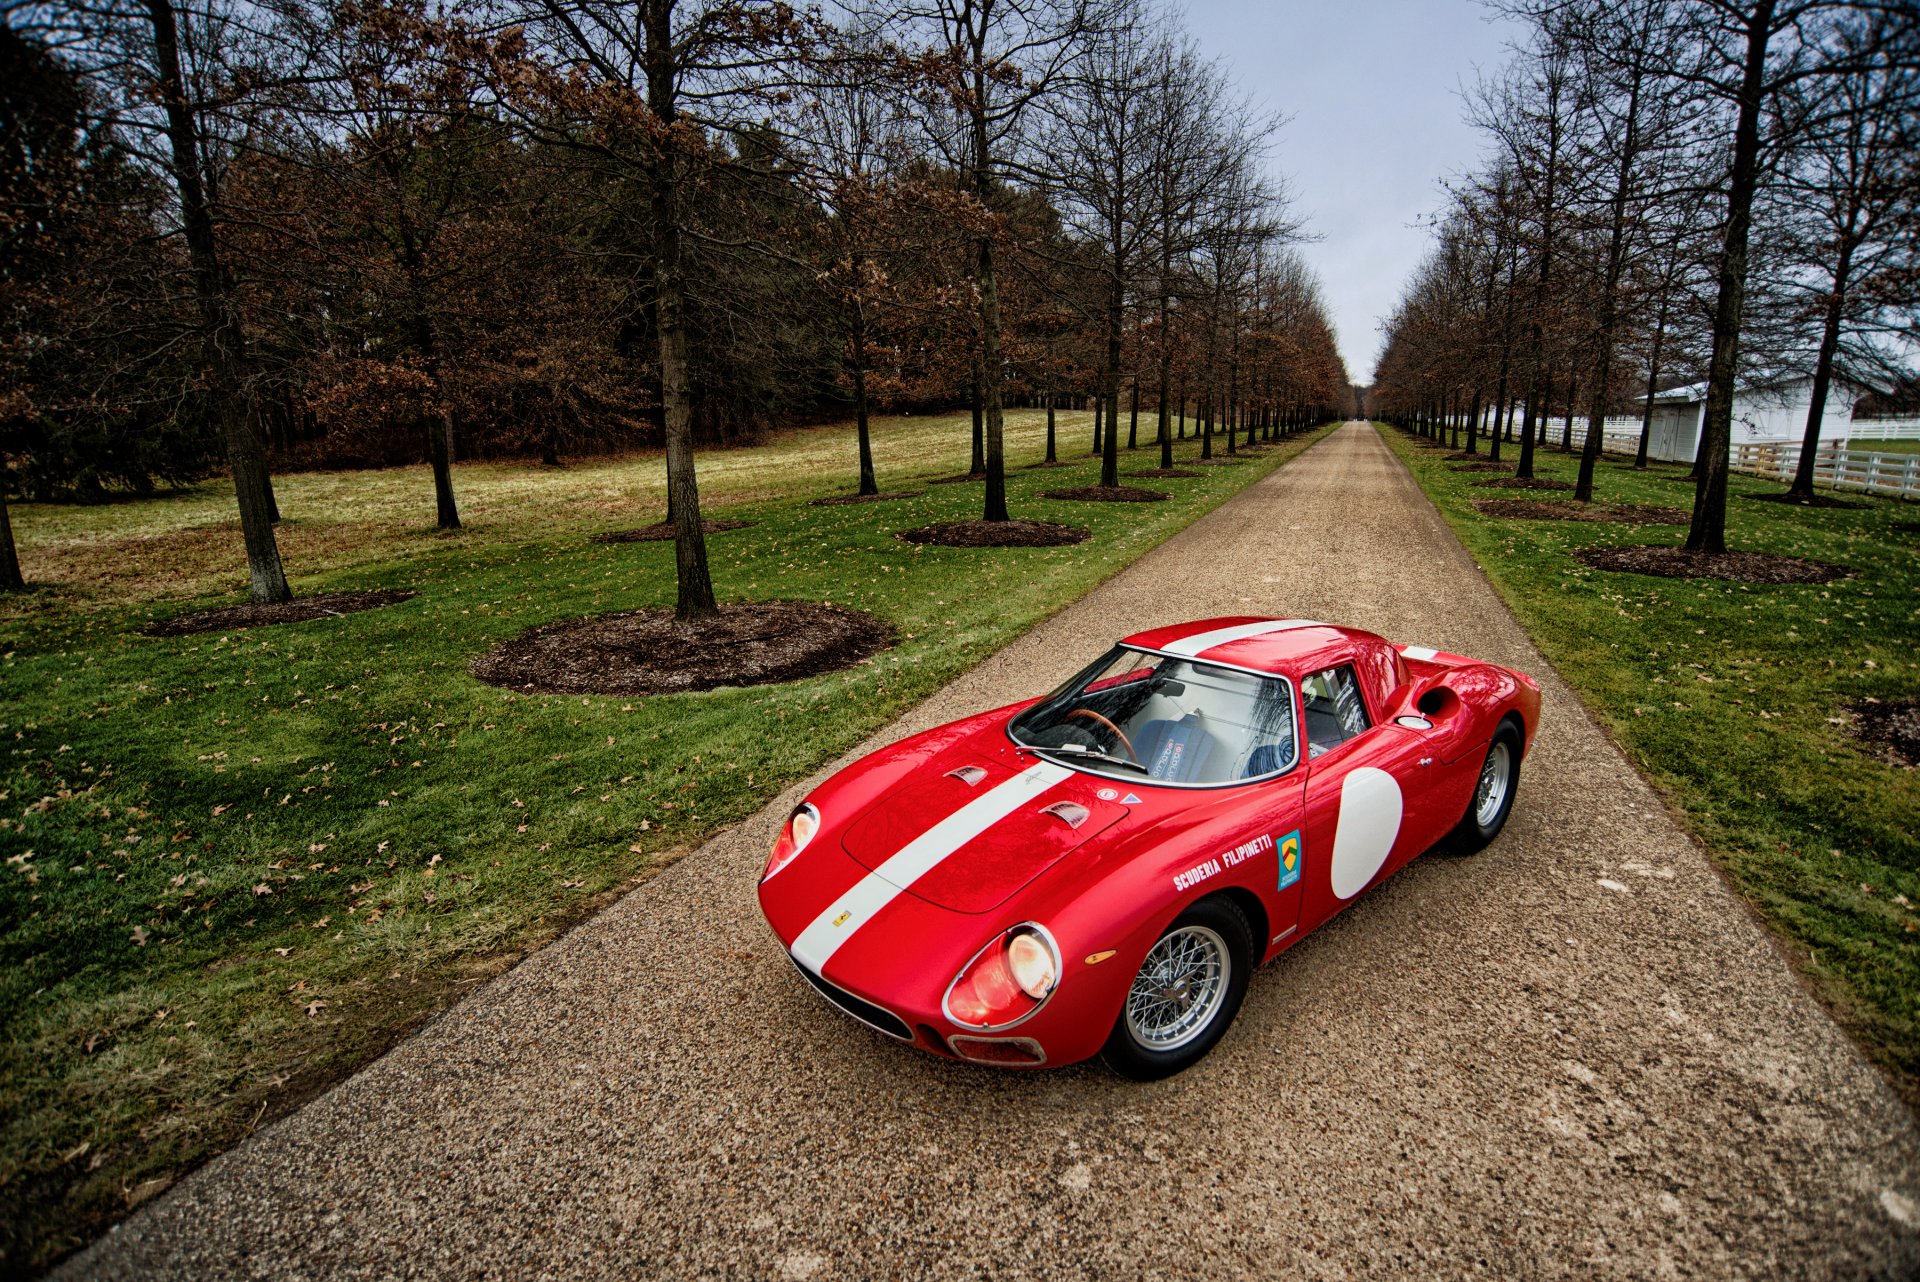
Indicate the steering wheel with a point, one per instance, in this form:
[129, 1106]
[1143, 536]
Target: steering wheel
[1118, 733]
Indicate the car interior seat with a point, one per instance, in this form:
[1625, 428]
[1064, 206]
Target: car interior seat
[1175, 750]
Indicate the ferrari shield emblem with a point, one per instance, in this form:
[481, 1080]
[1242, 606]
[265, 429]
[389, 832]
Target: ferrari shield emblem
[1290, 859]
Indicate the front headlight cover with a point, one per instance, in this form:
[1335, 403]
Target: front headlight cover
[795, 835]
[1006, 982]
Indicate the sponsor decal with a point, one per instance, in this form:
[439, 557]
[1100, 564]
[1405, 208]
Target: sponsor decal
[1290, 859]
[1195, 875]
[1226, 859]
[1129, 800]
[1107, 794]
[841, 920]
[1247, 850]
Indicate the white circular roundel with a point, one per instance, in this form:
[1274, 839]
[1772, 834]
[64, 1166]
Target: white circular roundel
[1369, 822]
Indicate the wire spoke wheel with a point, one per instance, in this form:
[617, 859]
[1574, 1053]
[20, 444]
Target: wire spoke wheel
[1490, 794]
[1179, 989]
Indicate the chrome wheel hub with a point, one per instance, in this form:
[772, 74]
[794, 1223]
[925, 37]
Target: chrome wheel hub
[1180, 988]
[1491, 792]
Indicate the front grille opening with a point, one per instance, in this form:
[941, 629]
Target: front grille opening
[878, 1017]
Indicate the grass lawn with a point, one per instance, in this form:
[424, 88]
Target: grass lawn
[238, 865]
[1733, 699]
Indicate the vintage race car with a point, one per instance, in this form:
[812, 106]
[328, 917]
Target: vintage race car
[1099, 871]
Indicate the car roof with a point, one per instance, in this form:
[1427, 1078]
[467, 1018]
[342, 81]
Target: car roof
[1287, 647]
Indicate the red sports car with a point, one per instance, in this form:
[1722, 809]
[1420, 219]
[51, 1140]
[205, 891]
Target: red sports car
[1099, 871]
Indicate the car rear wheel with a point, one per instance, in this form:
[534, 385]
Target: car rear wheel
[1493, 794]
[1185, 994]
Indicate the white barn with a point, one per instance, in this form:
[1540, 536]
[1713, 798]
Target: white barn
[1772, 415]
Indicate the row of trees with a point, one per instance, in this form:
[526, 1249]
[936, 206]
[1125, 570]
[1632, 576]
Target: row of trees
[363, 231]
[1675, 189]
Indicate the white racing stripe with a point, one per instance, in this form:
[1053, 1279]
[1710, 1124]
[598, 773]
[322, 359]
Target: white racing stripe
[1193, 645]
[1420, 652]
[873, 892]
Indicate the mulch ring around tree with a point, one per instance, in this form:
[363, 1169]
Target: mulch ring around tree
[1523, 483]
[664, 531]
[1818, 500]
[1905, 527]
[1165, 473]
[846, 500]
[1557, 510]
[962, 479]
[1739, 567]
[1213, 462]
[996, 534]
[1889, 723]
[1107, 494]
[298, 610]
[1484, 467]
[651, 652]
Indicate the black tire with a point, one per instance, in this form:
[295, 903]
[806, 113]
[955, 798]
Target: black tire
[1206, 926]
[1481, 824]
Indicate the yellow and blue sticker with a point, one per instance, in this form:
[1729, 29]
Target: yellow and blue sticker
[1290, 859]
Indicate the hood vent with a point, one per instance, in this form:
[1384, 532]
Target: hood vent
[968, 775]
[1073, 814]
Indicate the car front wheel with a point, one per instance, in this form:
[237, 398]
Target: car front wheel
[1493, 794]
[1185, 993]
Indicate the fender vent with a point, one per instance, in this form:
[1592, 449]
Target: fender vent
[968, 775]
[1073, 814]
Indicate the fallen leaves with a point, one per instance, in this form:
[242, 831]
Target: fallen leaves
[139, 936]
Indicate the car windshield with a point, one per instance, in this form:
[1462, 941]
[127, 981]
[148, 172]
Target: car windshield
[1138, 715]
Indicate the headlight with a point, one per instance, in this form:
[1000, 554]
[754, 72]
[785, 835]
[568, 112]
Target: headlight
[794, 836]
[1031, 964]
[1006, 981]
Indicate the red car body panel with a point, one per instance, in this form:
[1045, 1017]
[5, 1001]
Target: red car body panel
[932, 848]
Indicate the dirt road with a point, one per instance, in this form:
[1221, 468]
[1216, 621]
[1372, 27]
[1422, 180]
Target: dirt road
[1575, 1055]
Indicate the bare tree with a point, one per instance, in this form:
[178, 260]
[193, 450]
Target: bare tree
[982, 65]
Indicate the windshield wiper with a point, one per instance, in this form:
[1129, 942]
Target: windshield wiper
[1081, 750]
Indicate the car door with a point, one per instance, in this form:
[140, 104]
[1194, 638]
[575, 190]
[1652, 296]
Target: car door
[1370, 794]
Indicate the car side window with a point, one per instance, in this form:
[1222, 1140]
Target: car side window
[1335, 710]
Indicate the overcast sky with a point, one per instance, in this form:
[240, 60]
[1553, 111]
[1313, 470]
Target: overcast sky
[1372, 89]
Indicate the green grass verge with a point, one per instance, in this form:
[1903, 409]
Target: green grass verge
[238, 865]
[1732, 698]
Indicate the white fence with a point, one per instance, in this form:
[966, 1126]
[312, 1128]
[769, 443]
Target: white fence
[1885, 429]
[1896, 475]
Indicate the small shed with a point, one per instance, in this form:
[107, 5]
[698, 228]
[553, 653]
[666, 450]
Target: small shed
[1767, 414]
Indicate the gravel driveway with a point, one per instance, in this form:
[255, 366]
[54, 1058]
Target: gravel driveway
[1575, 1055]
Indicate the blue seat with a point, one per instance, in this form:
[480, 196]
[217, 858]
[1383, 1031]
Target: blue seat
[1176, 751]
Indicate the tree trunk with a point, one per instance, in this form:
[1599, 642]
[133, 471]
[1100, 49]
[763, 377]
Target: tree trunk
[978, 463]
[1566, 427]
[1099, 408]
[1653, 378]
[862, 431]
[440, 449]
[10, 577]
[1802, 487]
[1050, 454]
[223, 347]
[1110, 384]
[1133, 415]
[1707, 532]
[694, 583]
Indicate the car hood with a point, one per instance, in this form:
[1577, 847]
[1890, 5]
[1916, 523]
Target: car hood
[985, 870]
